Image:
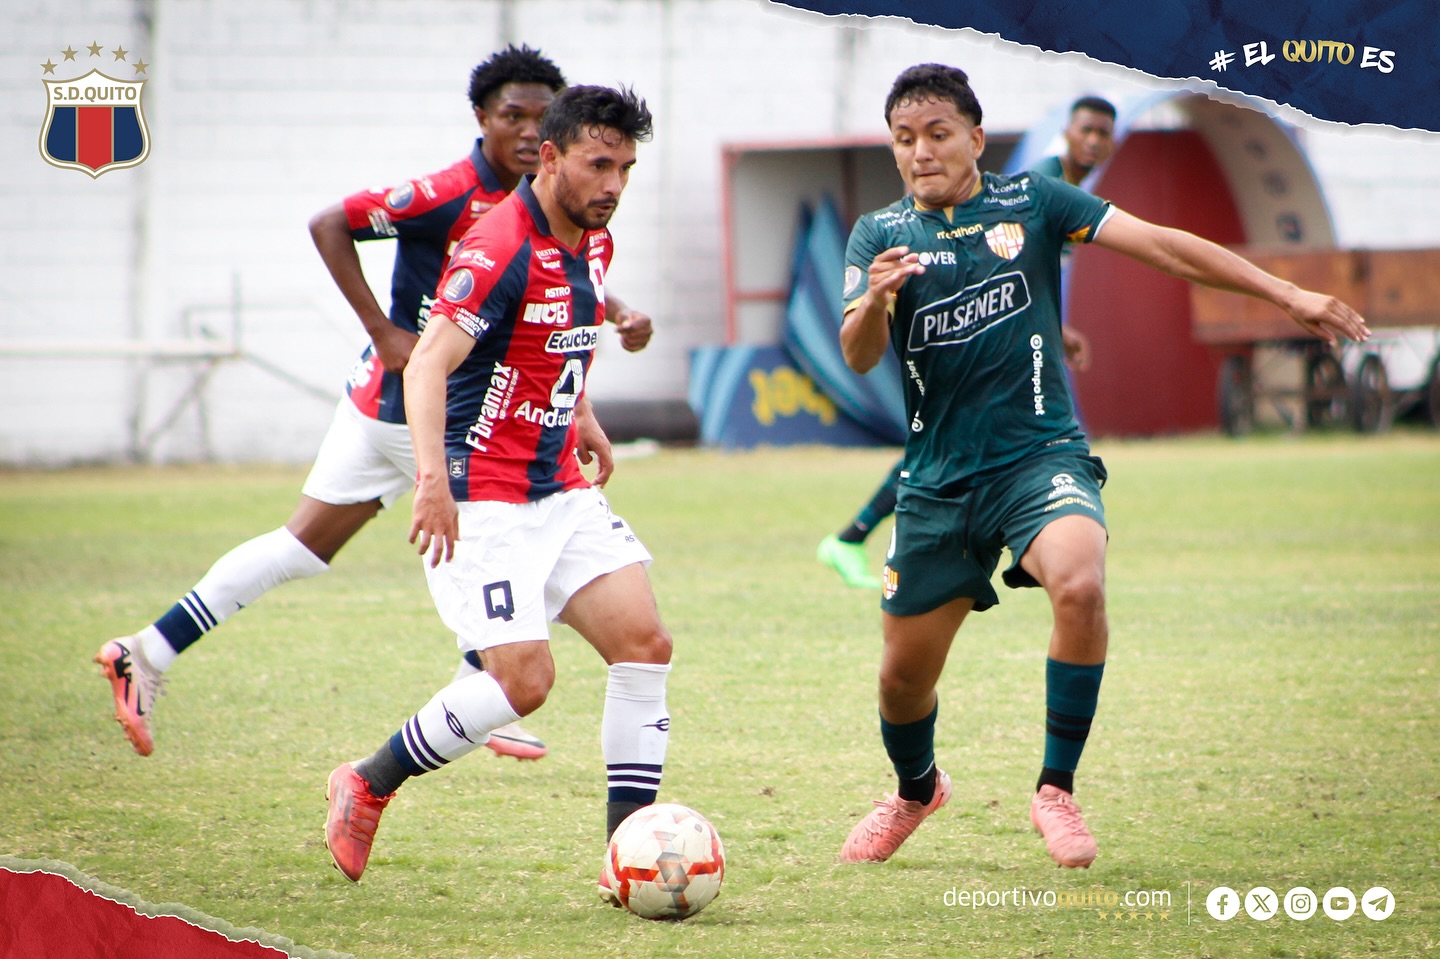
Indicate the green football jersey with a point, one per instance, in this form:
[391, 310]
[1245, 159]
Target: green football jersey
[978, 333]
[1050, 166]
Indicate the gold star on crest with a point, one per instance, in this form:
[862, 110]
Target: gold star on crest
[141, 66]
[47, 66]
[120, 53]
[69, 54]
[94, 49]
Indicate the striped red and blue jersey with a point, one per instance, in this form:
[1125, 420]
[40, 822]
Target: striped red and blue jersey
[426, 217]
[535, 309]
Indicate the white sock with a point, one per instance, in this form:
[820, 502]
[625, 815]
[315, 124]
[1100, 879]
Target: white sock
[635, 731]
[236, 580]
[456, 721]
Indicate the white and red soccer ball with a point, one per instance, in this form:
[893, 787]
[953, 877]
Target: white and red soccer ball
[665, 862]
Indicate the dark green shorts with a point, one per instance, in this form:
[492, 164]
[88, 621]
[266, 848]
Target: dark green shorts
[947, 547]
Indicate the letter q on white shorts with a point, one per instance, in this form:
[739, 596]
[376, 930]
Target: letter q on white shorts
[516, 565]
[361, 459]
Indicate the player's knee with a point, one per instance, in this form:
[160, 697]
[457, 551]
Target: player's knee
[900, 689]
[526, 684]
[1082, 592]
[653, 646]
[528, 693]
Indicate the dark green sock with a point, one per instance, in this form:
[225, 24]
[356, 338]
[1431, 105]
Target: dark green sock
[911, 748]
[1071, 695]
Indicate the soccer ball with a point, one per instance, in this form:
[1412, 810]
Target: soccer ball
[665, 862]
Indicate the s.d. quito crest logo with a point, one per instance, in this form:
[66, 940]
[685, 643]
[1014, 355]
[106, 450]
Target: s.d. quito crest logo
[94, 122]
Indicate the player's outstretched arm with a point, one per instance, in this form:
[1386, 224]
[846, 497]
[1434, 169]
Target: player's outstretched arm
[331, 232]
[1189, 257]
[634, 327]
[435, 521]
[591, 443]
[865, 332]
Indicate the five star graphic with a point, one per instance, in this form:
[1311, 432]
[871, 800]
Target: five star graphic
[120, 53]
[1121, 915]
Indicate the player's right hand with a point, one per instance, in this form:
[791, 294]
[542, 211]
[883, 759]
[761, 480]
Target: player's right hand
[393, 348]
[435, 521]
[890, 270]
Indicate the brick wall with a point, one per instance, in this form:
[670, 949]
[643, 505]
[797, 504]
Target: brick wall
[263, 112]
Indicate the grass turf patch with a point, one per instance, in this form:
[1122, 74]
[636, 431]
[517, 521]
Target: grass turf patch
[1269, 717]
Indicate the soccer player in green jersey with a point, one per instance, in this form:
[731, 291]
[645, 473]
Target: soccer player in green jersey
[962, 278]
[1089, 141]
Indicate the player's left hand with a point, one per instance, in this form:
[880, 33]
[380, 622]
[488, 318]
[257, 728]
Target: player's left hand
[635, 329]
[1326, 317]
[593, 446]
[1077, 348]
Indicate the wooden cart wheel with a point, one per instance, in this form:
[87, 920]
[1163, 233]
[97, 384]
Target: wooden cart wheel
[1371, 408]
[1327, 399]
[1237, 395]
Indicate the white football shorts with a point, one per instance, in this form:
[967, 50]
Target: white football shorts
[361, 459]
[516, 565]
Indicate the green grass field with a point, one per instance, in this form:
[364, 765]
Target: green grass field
[1270, 717]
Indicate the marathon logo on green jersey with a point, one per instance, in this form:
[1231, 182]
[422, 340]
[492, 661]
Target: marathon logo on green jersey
[972, 311]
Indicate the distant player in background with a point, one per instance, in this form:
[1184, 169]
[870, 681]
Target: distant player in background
[1089, 142]
[997, 460]
[515, 535]
[365, 460]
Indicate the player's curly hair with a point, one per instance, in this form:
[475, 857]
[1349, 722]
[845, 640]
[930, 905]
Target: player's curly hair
[934, 81]
[513, 65]
[580, 108]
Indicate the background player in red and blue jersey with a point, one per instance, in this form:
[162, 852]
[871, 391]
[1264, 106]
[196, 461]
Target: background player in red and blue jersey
[515, 534]
[365, 461]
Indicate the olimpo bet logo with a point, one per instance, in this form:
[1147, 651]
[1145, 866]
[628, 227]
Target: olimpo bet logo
[94, 122]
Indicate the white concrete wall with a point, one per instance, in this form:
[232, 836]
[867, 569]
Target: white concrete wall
[262, 113]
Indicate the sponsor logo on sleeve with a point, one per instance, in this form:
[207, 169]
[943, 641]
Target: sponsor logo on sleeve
[400, 197]
[476, 258]
[853, 275]
[381, 223]
[476, 326]
[460, 285]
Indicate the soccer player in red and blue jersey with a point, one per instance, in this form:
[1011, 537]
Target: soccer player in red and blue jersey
[365, 461]
[515, 535]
